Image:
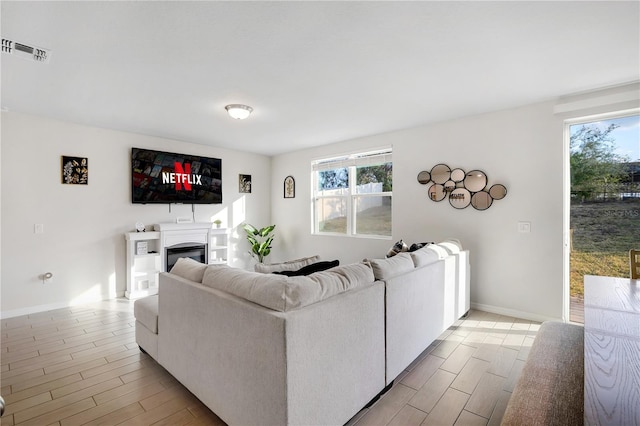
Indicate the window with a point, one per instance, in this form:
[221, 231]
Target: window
[352, 194]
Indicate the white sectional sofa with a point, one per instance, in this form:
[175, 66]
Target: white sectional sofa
[268, 349]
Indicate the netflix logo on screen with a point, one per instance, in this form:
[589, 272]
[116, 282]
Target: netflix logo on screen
[182, 178]
[166, 177]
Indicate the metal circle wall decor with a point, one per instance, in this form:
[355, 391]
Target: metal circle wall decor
[440, 173]
[461, 188]
[498, 191]
[457, 175]
[424, 177]
[437, 192]
[460, 198]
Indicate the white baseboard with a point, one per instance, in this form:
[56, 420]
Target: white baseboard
[512, 312]
[50, 307]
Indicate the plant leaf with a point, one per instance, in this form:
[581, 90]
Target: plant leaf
[266, 230]
[250, 229]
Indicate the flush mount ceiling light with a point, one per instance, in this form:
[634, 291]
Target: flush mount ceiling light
[238, 111]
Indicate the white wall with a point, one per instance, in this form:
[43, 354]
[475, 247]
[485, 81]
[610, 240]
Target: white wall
[522, 148]
[83, 243]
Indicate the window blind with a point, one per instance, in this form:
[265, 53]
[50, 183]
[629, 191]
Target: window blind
[374, 158]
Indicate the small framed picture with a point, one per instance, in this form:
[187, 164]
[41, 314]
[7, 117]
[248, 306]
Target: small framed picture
[244, 184]
[289, 187]
[75, 170]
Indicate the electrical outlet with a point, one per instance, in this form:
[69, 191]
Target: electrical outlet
[38, 228]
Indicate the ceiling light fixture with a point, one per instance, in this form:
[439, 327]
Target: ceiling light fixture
[238, 111]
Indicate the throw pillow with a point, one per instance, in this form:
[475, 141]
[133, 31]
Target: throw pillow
[398, 247]
[189, 269]
[391, 266]
[310, 269]
[291, 265]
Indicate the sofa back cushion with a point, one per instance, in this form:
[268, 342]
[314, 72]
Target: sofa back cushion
[189, 269]
[290, 265]
[391, 266]
[282, 293]
[426, 255]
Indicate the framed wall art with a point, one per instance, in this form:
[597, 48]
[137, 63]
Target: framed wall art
[75, 170]
[244, 184]
[289, 187]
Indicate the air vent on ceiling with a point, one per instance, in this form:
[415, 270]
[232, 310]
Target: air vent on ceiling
[25, 51]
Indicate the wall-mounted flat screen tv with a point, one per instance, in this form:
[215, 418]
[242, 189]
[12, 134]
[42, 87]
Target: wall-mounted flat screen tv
[166, 177]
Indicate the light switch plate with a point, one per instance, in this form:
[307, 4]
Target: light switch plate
[524, 227]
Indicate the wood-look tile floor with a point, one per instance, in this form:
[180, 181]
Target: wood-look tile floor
[81, 366]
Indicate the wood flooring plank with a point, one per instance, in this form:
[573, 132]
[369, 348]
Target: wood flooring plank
[484, 398]
[45, 387]
[116, 356]
[106, 366]
[7, 420]
[498, 411]
[469, 419]
[514, 375]
[165, 396]
[151, 417]
[408, 416]
[489, 348]
[53, 410]
[117, 416]
[470, 375]
[475, 338]
[20, 376]
[503, 361]
[146, 386]
[144, 370]
[128, 337]
[458, 358]
[422, 372]
[42, 361]
[85, 383]
[182, 417]
[447, 347]
[8, 358]
[448, 409]
[61, 347]
[428, 396]
[204, 414]
[388, 406]
[27, 403]
[103, 409]
[38, 380]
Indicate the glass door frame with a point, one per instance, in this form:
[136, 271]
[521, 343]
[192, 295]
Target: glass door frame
[566, 219]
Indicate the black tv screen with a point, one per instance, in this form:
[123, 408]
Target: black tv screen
[166, 177]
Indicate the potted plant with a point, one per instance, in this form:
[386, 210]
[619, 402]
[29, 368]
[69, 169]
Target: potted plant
[217, 222]
[260, 240]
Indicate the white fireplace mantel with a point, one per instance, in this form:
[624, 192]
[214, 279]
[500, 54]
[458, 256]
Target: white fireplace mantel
[173, 234]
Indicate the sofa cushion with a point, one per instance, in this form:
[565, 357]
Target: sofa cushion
[391, 266]
[429, 254]
[282, 293]
[290, 265]
[146, 312]
[310, 269]
[451, 246]
[189, 269]
[425, 256]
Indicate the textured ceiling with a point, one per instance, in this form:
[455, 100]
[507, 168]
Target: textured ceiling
[314, 72]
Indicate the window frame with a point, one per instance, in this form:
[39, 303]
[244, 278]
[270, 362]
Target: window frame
[349, 195]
